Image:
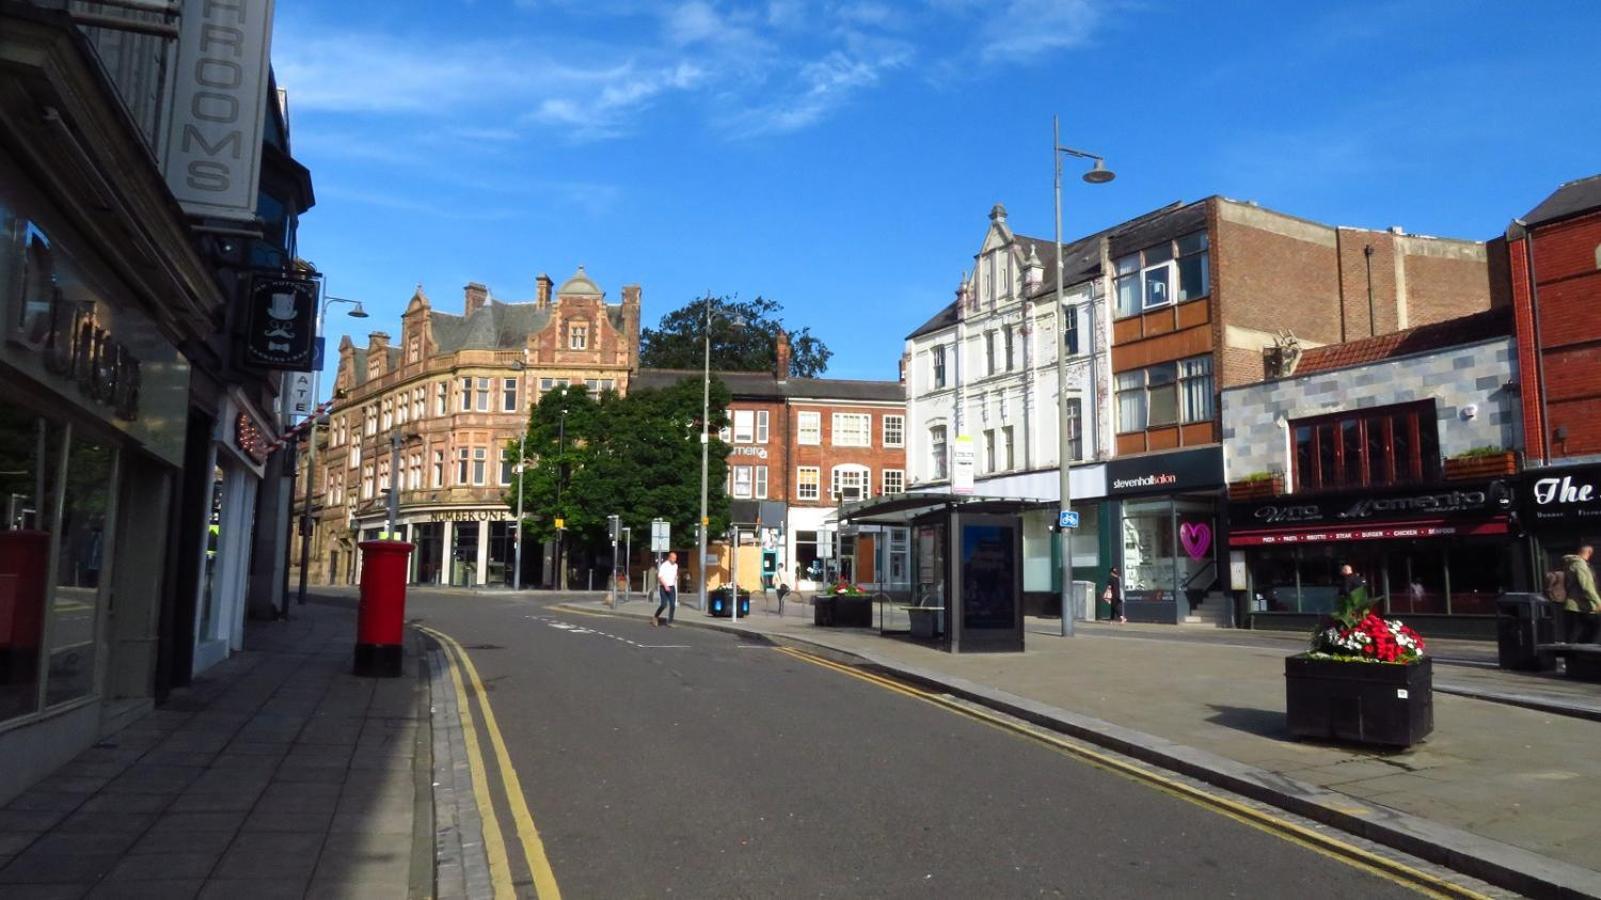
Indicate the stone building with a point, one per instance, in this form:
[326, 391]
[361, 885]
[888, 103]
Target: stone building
[431, 412]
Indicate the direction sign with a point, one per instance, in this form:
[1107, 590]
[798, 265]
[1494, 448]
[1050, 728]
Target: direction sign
[1067, 518]
[661, 535]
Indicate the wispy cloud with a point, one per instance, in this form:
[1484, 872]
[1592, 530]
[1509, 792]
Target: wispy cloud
[820, 87]
[1023, 30]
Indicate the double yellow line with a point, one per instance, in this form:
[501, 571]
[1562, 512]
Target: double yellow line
[462, 674]
[1350, 854]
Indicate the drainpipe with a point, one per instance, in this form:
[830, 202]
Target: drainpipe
[1367, 259]
[1539, 354]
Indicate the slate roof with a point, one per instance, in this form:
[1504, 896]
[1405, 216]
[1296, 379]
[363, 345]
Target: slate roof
[763, 385]
[1570, 199]
[493, 326]
[1482, 326]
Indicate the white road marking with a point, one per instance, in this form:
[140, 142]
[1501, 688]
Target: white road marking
[579, 629]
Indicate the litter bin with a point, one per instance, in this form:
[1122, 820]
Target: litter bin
[722, 607]
[1524, 621]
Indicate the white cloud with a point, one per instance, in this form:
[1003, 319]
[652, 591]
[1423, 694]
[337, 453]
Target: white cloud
[820, 87]
[1026, 29]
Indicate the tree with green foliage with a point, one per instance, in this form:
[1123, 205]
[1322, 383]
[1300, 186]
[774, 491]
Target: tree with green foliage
[636, 456]
[678, 341]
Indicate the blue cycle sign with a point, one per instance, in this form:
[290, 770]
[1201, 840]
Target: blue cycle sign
[1067, 518]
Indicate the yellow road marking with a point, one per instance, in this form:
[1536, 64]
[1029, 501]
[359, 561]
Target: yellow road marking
[533, 848]
[494, 843]
[1357, 857]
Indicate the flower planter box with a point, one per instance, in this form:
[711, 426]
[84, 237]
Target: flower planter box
[1257, 489]
[843, 610]
[719, 606]
[1368, 703]
[1477, 468]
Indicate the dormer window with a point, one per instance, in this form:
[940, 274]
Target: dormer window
[578, 335]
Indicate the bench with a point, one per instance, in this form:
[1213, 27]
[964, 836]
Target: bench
[927, 616]
[1584, 660]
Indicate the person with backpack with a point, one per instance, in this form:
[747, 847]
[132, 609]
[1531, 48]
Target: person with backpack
[1581, 606]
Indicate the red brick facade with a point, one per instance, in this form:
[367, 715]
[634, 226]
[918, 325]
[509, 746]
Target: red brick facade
[1560, 362]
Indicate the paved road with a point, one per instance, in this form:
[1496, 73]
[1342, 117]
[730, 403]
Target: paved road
[683, 762]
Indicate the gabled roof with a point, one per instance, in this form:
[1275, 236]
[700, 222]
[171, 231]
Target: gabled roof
[1571, 199]
[765, 386]
[1482, 326]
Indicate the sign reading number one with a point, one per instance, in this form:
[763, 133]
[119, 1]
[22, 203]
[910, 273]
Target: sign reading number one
[1067, 518]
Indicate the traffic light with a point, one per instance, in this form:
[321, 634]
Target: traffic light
[614, 527]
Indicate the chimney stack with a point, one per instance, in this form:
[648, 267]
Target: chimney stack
[377, 340]
[542, 296]
[781, 364]
[477, 296]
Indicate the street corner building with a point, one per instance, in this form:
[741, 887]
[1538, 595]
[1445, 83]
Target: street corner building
[1156, 315]
[798, 449]
[137, 427]
[429, 416]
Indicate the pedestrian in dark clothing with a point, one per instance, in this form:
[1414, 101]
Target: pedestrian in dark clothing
[1353, 589]
[1114, 594]
[1582, 607]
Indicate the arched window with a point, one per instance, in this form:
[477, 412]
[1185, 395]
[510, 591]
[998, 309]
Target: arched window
[851, 482]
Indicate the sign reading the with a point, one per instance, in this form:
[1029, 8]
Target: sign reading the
[213, 163]
[283, 316]
[1565, 496]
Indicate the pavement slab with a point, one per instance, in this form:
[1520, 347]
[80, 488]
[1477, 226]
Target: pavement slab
[229, 790]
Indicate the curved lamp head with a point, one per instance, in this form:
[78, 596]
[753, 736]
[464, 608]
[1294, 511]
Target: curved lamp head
[1100, 174]
[358, 313]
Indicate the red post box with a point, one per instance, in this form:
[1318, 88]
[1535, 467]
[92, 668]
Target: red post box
[381, 620]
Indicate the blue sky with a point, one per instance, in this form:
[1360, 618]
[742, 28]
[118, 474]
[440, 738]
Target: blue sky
[842, 157]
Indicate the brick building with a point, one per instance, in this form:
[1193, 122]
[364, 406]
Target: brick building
[452, 392]
[798, 448]
[1161, 312]
[1554, 261]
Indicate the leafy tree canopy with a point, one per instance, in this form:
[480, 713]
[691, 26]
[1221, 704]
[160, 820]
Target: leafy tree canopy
[678, 342]
[637, 456]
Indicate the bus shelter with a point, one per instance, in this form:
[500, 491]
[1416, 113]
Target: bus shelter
[966, 593]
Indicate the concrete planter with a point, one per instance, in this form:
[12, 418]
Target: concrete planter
[842, 610]
[1257, 489]
[1366, 703]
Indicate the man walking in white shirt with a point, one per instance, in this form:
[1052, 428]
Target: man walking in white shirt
[667, 584]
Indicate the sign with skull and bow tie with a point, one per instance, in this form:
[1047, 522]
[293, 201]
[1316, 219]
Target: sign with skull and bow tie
[283, 317]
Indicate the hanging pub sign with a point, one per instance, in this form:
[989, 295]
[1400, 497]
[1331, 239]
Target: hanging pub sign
[283, 317]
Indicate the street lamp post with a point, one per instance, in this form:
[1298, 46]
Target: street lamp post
[357, 312]
[705, 447]
[522, 463]
[1100, 174]
[561, 521]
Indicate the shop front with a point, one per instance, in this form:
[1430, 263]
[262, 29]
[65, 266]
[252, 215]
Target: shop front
[1436, 554]
[1165, 506]
[240, 446]
[455, 546]
[92, 418]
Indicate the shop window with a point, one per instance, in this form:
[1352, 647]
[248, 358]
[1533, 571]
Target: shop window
[807, 483]
[30, 453]
[808, 565]
[809, 428]
[1477, 574]
[1416, 576]
[1378, 447]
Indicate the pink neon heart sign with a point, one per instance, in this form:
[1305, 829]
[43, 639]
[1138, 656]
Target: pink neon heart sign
[1196, 538]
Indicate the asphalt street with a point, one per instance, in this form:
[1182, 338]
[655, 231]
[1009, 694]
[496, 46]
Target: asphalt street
[685, 762]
